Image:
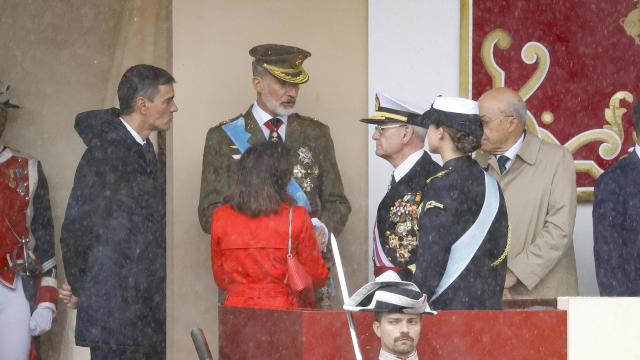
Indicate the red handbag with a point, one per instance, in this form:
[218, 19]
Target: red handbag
[297, 278]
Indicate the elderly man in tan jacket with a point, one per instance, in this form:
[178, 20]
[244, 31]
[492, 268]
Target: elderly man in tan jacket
[539, 183]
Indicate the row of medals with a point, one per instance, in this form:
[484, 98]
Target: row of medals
[404, 238]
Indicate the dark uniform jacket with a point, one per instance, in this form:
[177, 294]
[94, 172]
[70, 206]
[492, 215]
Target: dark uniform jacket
[113, 239]
[616, 228]
[451, 205]
[397, 216]
[315, 168]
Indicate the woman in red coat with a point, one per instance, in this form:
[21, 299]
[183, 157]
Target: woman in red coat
[249, 235]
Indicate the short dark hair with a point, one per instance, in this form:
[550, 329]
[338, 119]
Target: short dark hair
[636, 117]
[261, 184]
[141, 80]
[463, 141]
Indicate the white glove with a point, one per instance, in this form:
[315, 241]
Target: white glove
[41, 320]
[321, 232]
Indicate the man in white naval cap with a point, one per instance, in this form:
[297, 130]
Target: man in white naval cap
[399, 306]
[399, 137]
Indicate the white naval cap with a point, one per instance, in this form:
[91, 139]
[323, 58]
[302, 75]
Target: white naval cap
[456, 105]
[456, 113]
[393, 110]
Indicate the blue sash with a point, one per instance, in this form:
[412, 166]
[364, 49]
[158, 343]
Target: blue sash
[463, 250]
[237, 133]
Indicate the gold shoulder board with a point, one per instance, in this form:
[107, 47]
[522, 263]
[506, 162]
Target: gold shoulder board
[440, 174]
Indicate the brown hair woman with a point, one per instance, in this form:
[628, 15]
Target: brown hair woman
[250, 234]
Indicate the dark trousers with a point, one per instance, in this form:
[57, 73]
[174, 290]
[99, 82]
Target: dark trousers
[112, 353]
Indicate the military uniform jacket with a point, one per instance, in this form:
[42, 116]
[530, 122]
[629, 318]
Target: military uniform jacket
[25, 211]
[453, 201]
[397, 216]
[315, 168]
[616, 228]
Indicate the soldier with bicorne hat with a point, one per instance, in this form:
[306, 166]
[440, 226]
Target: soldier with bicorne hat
[28, 287]
[399, 306]
[316, 183]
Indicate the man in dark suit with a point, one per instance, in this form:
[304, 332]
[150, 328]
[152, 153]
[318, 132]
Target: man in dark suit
[399, 140]
[277, 76]
[616, 224]
[113, 235]
[461, 260]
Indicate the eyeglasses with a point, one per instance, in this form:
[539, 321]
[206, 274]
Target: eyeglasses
[379, 128]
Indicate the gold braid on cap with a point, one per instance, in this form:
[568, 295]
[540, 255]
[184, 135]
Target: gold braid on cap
[381, 115]
[296, 76]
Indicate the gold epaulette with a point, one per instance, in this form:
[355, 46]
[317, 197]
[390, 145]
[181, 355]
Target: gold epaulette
[506, 250]
[440, 174]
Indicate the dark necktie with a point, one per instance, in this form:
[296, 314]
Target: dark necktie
[502, 163]
[149, 155]
[393, 181]
[273, 125]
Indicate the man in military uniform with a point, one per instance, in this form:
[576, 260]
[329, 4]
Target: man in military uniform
[28, 288]
[463, 219]
[277, 76]
[399, 306]
[399, 140]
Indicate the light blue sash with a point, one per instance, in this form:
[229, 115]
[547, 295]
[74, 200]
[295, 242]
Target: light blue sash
[240, 137]
[463, 250]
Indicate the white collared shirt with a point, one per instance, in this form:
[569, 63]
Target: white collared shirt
[135, 135]
[513, 151]
[407, 164]
[388, 356]
[262, 116]
[637, 149]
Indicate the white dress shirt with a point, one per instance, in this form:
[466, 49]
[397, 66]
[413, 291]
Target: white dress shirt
[407, 164]
[262, 116]
[135, 135]
[513, 151]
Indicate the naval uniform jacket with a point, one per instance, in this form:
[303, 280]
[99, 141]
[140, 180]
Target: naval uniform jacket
[249, 256]
[113, 239]
[397, 233]
[616, 228]
[453, 201]
[315, 168]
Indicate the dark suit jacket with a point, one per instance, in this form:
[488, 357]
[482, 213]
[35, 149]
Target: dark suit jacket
[461, 193]
[319, 178]
[616, 228]
[412, 183]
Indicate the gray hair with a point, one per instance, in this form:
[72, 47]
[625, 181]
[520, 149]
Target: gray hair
[419, 133]
[517, 109]
[257, 69]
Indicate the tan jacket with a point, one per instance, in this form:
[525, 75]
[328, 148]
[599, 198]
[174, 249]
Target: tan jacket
[540, 190]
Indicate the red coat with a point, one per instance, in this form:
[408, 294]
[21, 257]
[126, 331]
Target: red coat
[249, 256]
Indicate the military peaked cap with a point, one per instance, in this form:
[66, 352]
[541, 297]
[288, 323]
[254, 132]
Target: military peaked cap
[282, 61]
